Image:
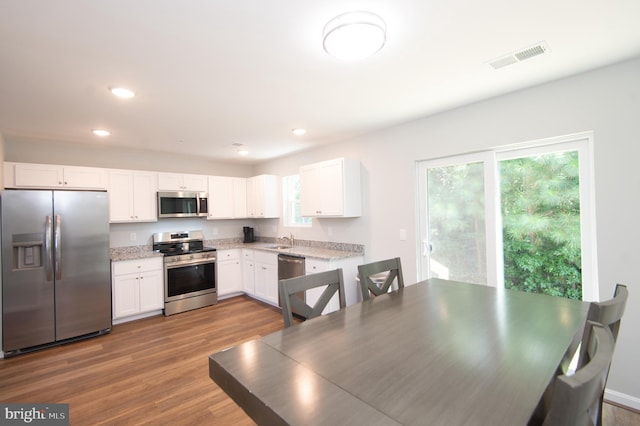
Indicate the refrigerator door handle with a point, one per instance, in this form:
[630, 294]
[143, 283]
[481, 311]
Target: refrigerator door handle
[57, 247]
[48, 249]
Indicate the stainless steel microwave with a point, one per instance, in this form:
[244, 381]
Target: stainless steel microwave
[182, 204]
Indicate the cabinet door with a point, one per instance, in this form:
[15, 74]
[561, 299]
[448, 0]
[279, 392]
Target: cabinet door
[132, 196]
[321, 191]
[38, 176]
[196, 183]
[261, 278]
[239, 197]
[120, 196]
[151, 291]
[272, 284]
[310, 192]
[229, 276]
[145, 190]
[248, 276]
[126, 295]
[330, 177]
[263, 197]
[254, 197]
[221, 200]
[85, 178]
[170, 182]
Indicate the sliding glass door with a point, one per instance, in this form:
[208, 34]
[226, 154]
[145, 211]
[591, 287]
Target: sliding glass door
[521, 218]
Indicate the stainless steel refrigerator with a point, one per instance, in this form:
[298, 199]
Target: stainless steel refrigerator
[55, 267]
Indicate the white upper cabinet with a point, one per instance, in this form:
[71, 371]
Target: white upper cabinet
[182, 182]
[227, 197]
[24, 175]
[263, 197]
[132, 196]
[331, 189]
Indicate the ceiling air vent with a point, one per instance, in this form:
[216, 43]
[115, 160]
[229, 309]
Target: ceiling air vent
[520, 55]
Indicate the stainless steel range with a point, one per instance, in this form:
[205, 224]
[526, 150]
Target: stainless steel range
[190, 272]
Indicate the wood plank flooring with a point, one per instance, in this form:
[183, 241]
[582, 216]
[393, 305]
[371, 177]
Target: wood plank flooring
[155, 371]
[151, 371]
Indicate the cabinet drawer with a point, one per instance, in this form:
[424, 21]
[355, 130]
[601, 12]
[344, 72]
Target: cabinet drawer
[228, 254]
[247, 254]
[136, 266]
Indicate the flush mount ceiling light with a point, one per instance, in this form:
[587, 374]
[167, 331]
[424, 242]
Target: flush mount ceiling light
[354, 35]
[298, 131]
[101, 132]
[122, 92]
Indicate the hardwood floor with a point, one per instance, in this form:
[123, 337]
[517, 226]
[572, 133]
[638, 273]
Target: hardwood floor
[151, 371]
[155, 371]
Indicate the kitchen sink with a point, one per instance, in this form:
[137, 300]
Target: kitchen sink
[278, 247]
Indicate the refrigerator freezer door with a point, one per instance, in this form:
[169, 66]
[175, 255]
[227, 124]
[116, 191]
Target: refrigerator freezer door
[27, 297]
[83, 292]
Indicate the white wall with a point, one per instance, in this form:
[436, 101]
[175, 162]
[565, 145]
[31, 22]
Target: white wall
[27, 150]
[606, 101]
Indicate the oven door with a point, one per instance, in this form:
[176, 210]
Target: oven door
[189, 279]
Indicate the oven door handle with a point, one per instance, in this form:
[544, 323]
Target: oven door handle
[193, 262]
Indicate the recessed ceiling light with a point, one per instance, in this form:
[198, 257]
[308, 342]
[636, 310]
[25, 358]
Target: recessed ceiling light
[299, 132]
[122, 92]
[243, 151]
[101, 132]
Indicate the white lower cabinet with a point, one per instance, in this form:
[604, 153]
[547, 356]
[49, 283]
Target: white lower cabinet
[229, 272]
[266, 276]
[138, 288]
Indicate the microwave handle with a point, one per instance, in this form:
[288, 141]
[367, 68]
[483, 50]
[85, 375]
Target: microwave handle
[203, 203]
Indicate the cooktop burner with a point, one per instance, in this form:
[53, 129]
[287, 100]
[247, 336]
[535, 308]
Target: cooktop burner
[177, 243]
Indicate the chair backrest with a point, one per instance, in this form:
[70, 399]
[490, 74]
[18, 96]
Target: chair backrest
[290, 288]
[608, 313]
[370, 286]
[576, 399]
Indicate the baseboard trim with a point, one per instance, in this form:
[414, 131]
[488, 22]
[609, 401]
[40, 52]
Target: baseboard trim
[623, 400]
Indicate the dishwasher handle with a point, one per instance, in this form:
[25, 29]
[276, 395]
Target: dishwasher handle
[290, 259]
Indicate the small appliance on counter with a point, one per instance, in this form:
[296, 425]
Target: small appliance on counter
[248, 235]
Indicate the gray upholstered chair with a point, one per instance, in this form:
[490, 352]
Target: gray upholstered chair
[575, 399]
[372, 286]
[290, 300]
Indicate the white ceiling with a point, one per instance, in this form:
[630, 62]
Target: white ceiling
[210, 73]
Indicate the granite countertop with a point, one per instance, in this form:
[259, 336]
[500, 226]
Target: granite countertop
[323, 251]
[132, 253]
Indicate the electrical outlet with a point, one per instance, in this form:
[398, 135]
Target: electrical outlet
[330, 231]
[215, 230]
[403, 235]
[132, 236]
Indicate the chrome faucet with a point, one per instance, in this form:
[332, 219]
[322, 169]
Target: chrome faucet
[291, 239]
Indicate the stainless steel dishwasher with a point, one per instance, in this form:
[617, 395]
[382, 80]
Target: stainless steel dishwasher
[290, 267]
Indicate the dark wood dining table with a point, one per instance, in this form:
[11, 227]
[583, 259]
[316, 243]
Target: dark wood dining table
[435, 353]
